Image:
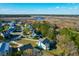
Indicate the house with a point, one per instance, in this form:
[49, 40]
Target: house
[36, 33]
[12, 27]
[17, 29]
[53, 44]
[33, 33]
[1, 27]
[30, 27]
[44, 44]
[9, 31]
[22, 48]
[4, 48]
[0, 24]
[14, 50]
[12, 23]
[26, 47]
[5, 34]
[39, 34]
[19, 22]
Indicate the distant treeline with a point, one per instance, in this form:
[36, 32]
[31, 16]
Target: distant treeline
[1, 16]
[29, 15]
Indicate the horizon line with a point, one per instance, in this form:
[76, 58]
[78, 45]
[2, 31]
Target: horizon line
[39, 14]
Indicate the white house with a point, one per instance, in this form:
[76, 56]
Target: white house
[44, 44]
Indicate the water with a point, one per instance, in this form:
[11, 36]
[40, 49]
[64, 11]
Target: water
[39, 18]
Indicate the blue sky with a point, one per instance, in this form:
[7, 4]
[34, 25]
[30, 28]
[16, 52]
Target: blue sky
[39, 8]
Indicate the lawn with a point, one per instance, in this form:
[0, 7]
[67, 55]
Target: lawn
[27, 41]
[47, 53]
[14, 45]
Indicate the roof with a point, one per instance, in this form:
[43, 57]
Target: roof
[12, 25]
[4, 46]
[30, 26]
[46, 41]
[36, 33]
[28, 46]
[6, 33]
[53, 44]
[39, 34]
[40, 39]
[0, 24]
[11, 29]
[14, 49]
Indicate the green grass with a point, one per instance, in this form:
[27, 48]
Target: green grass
[27, 41]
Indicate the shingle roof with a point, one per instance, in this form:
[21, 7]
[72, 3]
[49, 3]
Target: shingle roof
[0, 24]
[6, 33]
[46, 41]
[28, 46]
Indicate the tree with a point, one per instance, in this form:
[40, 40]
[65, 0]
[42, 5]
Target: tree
[66, 44]
[42, 27]
[51, 34]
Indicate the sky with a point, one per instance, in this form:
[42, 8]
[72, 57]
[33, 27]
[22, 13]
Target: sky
[39, 8]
